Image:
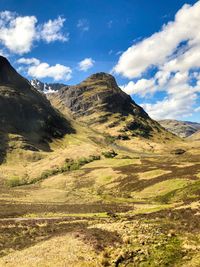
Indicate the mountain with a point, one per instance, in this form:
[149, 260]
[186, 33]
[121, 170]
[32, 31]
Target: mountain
[180, 128]
[24, 111]
[194, 124]
[46, 87]
[101, 104]
[195, 136]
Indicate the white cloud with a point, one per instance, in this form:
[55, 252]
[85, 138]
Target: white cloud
[171, 107]
[6, 16]
[140, 87]
[18, 33]
[155, 50]
[51, 31]
[179, 102]
[28, 61]
[44, 70]
[83, 25]
[86, 64]
[175, 52]
[41, 70]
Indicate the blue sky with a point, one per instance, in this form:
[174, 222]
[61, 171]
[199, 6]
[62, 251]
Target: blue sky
[88, 36]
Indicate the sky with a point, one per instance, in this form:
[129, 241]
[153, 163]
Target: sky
[151, 47]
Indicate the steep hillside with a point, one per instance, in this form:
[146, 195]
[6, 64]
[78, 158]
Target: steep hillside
[25, 112]
[180, 128]
[101, 104]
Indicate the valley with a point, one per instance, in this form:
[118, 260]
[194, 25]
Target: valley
[105, 185]
[112, 212]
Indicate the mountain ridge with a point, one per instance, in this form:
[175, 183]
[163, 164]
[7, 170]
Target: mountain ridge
[180, 128]
[46, 87]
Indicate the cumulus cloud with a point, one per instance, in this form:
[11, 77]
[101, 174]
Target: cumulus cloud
[139, 87]
[51, 31]
[156, 49]
[28, 61]
[83, 25]
[175, 53]
[39, 70]
[177, 104]
[86, 64]
[18, 33]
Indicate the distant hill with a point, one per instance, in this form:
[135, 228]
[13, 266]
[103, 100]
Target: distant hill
[195, 136]
[46, 87]
[180, 128]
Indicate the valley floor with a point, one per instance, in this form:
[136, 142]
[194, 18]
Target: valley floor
[139, 209]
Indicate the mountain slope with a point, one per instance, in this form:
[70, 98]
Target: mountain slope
[101, 104]
[24, 111]
[180, 128]
[195, 136]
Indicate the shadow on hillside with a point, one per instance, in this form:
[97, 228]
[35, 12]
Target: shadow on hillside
[3, 146]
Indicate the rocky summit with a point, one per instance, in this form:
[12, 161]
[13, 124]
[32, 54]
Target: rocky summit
[46, 87]
[98, 101]
[99, 93]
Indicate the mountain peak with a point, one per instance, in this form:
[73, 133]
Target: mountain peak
[3, 61]
[46, 87]
[99, 92]
[9, 76]
[98, 101]
[101, 77]
[24, 110]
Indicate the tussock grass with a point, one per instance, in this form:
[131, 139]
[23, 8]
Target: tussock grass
[161, 189]
[152, 174]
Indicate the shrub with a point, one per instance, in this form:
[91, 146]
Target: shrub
[109, 139]
[48, 173]
[93, 157]
[75, 166]
[109, 154]
[70, 165]
[16, 181]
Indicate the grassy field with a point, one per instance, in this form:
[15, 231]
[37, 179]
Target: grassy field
[140, 208]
